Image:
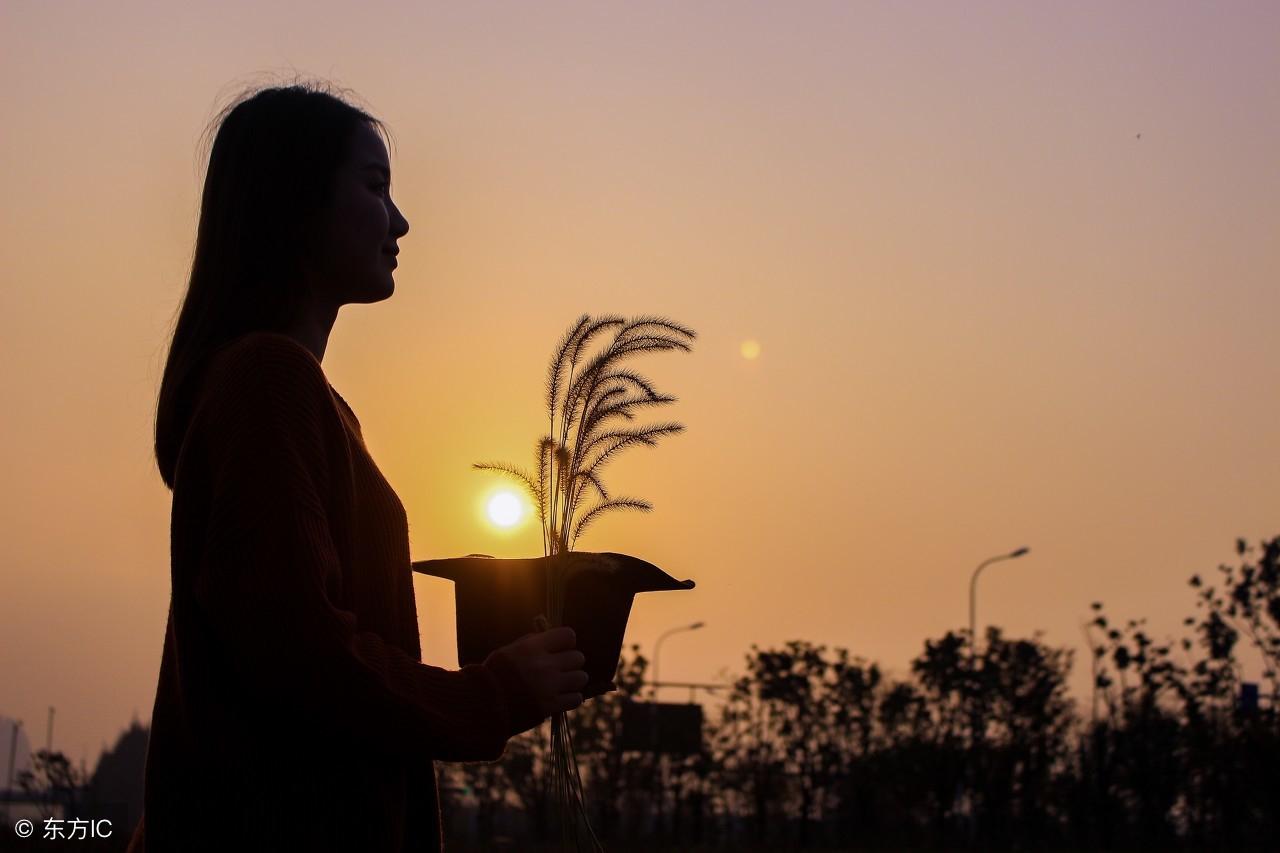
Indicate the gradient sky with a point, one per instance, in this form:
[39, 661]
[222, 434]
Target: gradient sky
[989, 314]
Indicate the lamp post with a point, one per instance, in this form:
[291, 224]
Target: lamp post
[653, 722]
[975, 723]
[657, 647]
[973, 601]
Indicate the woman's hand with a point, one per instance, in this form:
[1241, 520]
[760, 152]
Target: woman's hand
[550, 667]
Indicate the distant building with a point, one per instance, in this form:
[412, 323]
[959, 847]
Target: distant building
[15, 754]
[21, 754]
[115, 790]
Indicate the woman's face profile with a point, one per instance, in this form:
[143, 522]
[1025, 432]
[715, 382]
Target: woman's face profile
[353, 257]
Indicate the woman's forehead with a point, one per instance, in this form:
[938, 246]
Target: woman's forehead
[369, 150]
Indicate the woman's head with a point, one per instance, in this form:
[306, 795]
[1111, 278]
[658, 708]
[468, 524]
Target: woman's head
[295, 216]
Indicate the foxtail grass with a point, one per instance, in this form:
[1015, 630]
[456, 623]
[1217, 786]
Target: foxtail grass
[592, 395]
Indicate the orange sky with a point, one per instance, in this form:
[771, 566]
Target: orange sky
[990, 315]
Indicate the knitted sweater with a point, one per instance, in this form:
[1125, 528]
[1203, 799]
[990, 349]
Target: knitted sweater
[293, 711]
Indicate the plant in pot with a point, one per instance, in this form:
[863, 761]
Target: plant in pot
[500, 600]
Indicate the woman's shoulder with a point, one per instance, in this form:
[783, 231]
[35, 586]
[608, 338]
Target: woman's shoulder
[263, 346]
[265, 356]
[265, 372]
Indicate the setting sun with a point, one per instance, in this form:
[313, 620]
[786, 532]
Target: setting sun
[505, 509]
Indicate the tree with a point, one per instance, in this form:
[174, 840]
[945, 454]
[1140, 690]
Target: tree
[776, 743]
[52, 781]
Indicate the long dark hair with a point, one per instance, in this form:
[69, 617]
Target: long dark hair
[271, 172]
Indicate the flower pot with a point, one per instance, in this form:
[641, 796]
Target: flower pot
[499, 599]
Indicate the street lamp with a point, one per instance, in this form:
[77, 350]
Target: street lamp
[975, 723]
[657, 647]
[973, 600]
[653, 722]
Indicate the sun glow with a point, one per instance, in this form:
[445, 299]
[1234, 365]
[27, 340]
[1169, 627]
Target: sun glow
[505, 509]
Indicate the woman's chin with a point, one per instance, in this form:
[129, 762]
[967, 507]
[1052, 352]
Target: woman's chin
[376, 293]
[389, 284]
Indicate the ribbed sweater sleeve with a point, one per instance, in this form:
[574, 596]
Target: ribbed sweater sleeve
[266, 422]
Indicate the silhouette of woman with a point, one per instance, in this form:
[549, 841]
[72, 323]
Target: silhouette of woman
[293, 711]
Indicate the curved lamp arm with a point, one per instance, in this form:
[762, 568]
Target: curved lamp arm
[657, 647]
[973, 599]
